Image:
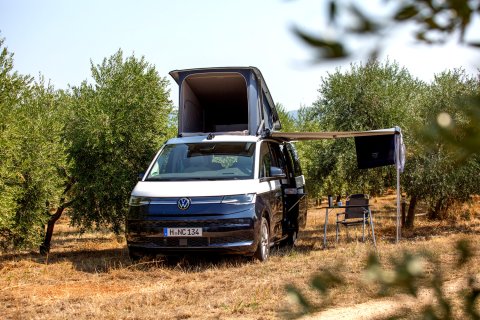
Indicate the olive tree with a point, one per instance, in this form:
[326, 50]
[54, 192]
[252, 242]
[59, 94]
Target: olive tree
[434, 172]
[286, 119]
[32, 156]
[366, 97]
[81, 149]
[116, 125]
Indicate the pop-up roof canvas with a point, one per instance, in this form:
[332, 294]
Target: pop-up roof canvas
[224, 100]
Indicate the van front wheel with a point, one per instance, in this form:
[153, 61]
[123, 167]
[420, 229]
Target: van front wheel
[263, 248]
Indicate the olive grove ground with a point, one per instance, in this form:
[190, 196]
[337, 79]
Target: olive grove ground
[90, 275]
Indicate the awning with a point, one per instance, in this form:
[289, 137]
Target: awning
[302, 136]
[370, 150]
[305, 136]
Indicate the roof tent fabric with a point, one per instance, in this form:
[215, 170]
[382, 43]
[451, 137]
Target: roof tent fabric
[207, 103]
[375, 151]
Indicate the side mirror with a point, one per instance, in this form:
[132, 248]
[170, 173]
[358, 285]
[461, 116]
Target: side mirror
[140, 176]
[276, 172]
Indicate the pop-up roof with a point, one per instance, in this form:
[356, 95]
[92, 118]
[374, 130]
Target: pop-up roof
[224, 100]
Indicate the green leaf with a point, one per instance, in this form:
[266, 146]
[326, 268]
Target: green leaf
[474, 44]
[364, 24]
[465, 252]
[295, 294]
[406, 12]
[325, 280]
[326, 49]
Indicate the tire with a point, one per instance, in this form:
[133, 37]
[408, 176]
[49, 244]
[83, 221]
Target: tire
[263, 247]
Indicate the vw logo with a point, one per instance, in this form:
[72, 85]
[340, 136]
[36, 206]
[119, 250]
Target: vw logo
[183, 203]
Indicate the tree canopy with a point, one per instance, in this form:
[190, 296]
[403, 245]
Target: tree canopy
[366, 97]
[32, 157]
[433, 171]
[82, 148]
[383, 95]
[115, 127]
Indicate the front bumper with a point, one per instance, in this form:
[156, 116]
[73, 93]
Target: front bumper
[231, 233]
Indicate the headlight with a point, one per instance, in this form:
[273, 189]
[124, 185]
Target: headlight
[138, 201]
[240, 199]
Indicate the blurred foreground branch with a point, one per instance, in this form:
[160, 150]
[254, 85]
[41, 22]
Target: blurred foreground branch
[434, 22]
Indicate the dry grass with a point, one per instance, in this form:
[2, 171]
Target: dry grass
[90, 275]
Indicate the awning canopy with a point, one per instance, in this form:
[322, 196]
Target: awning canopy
[302, 136]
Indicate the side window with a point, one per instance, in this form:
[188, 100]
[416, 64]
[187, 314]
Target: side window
[277, 156]
[265, 160]
[270, 155]
[287, 160]
[297, 170]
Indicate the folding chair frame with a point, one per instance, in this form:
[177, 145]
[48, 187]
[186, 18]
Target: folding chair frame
[367, 218]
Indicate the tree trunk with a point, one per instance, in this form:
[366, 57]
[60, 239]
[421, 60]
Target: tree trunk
[45, 246]
[435, 213]
[411, 212]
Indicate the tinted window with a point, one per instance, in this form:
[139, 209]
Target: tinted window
[293, 155]
[265, 160]
[270, 155]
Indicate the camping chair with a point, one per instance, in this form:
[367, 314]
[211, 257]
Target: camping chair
[357, 212]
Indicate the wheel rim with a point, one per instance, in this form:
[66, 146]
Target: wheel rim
[264, 240]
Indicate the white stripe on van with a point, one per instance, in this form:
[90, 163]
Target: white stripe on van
[160, 189]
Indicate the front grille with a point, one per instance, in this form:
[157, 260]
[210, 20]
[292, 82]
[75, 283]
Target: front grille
[199, 242]
[156, 227]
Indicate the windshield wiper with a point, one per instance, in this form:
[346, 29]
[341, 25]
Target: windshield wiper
[160, 179]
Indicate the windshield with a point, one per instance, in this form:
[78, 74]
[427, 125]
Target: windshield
[204, 161]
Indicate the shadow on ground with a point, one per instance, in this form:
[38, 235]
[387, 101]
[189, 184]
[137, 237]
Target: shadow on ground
[100, 260]
[92, 261]
[106, 260]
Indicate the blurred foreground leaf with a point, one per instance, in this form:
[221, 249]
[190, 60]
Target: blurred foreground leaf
[326, 49]
[407, 274]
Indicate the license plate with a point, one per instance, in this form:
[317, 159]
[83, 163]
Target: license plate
[182, 232]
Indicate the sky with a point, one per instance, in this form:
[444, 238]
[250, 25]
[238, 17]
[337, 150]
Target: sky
[59, 38]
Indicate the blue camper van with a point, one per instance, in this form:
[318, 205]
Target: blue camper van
[225, 184]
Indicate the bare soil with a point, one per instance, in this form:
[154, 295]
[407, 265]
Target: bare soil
[89, 275]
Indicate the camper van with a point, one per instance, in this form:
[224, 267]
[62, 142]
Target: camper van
[224, 185]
